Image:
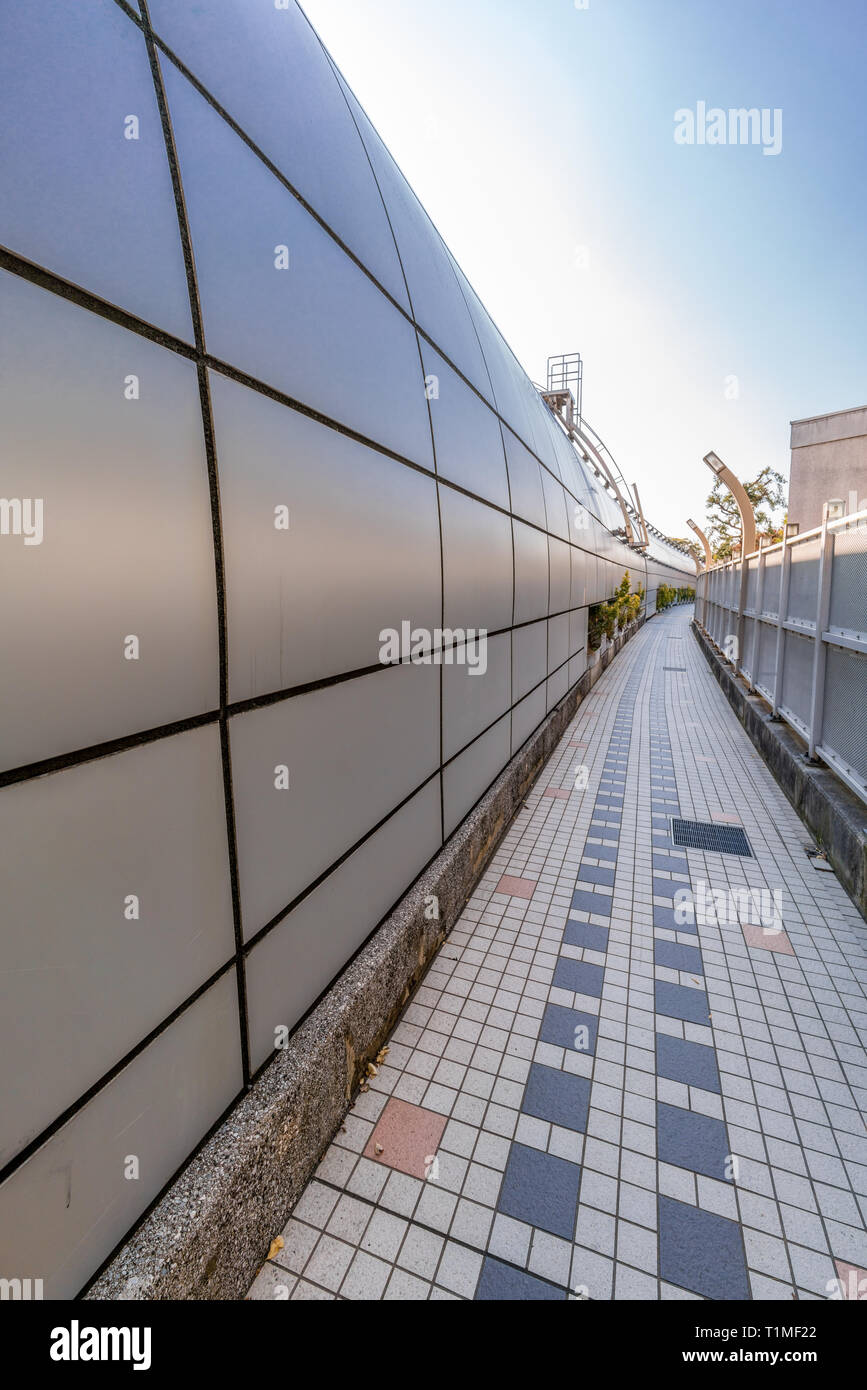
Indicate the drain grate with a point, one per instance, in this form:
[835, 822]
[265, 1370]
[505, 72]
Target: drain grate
[719, 839]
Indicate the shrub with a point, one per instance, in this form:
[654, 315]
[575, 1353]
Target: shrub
[611, 617]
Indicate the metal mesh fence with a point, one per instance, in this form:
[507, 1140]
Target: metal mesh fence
[802, 636]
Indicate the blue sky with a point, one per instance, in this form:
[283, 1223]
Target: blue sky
[540, 137]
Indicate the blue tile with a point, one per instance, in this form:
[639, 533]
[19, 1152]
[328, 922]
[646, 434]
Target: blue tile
[601, 827]
[664, 917]
[678, 957]
[502, 1283]
[589, 873]
[610, 811]
[557, 1096]
[580, 977]
[610, 833]
[689, 1062]
[666, 887]
[586, 935]
[559, 1025]
[669, 863]
[585, 900]
[681, 1001]
[701, 1252]
[541, 1190]
[690, 1140]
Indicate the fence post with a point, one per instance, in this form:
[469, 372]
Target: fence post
[739, 625]
[823, 606]
[757, 628]
[783, 603]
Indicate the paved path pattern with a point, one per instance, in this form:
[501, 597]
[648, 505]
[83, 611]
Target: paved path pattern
[634, 1070]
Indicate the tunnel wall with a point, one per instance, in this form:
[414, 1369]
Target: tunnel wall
[253, 418]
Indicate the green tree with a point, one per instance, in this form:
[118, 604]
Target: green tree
[691, 545]
[767, 492]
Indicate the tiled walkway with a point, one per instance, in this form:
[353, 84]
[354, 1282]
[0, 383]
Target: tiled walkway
[607, 1086]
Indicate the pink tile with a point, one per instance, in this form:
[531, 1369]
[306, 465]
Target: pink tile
[516, 887]
[408, 1137]
[560, 792]
[576, 744]
[726, 820]
[852, 1281]
[767, 939]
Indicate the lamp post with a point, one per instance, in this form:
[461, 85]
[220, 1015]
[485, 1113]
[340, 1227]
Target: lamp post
[708, 559]
[738, 492]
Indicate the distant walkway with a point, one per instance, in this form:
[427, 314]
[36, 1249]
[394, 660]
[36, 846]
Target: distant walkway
[593, 1094]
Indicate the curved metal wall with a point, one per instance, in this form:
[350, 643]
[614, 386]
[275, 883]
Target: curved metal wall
[173, 654]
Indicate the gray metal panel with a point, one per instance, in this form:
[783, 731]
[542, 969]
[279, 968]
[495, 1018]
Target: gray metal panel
[508, 393]
[467, 439]
[529, 658]
[803, 580]
[470, 775]
[353, 752]
[127, 545]
[267, 68]
[555, 506]
[525, 478]
[473, 699]
[527, 716]
[844, 724]
[578, 631]
[73, 847]
[306, 330]
[64, 1209]
[558, 641]
[81, 198]
[577, 667]
[557, 686]
[290, 967]
[582, 576]
[360, 525]
[559, 598]
[477, 563]
[531, 573]
[437, 301]
[848, 607]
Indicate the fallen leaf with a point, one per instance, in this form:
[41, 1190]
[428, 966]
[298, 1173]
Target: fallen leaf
[276, 1244]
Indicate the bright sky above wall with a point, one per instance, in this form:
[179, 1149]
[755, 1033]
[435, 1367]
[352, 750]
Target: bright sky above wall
[715, 291]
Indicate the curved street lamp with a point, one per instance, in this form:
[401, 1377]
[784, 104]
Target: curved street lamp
[708, 561]
[708, 558]
[748, 545]
[738, 492]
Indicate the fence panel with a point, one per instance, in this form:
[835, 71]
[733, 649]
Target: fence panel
[781, 651]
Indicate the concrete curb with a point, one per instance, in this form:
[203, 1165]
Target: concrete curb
[826, 805]
[211, 1231]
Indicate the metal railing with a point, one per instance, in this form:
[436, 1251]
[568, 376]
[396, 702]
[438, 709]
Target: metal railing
[792, 619]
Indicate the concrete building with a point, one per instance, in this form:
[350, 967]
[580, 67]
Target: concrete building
[829, 461]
